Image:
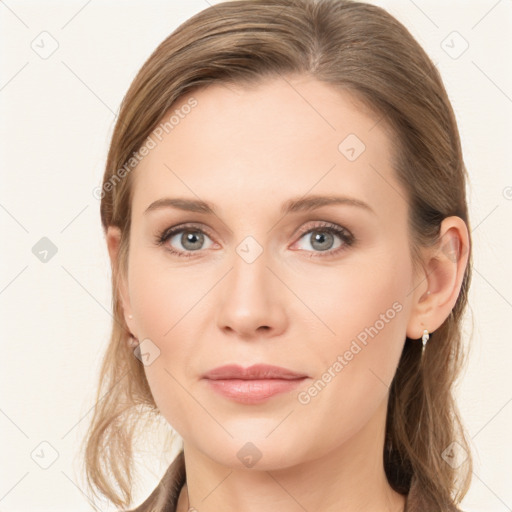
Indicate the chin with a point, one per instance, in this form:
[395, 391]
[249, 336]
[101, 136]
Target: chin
[256, 452]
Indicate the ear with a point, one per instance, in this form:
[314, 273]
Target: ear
[113, 237]
[442, 276]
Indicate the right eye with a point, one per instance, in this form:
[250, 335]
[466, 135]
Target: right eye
[190, 238]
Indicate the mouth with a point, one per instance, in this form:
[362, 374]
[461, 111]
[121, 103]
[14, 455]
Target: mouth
[256, 371]
[252, 385]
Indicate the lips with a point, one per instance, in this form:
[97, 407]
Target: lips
[256, 372]
[253, 385]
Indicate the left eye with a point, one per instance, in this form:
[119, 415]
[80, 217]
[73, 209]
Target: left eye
[323, 239]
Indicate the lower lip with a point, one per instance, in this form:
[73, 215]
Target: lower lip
[253, 391]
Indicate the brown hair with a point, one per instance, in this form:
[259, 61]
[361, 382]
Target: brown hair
[363, 50]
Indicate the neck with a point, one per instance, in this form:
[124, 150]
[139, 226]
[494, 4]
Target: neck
[349, 478]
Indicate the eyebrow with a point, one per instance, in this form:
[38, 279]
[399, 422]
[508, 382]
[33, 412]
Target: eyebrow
[301, 204]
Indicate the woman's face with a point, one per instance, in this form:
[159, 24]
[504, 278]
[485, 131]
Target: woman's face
[266, 278]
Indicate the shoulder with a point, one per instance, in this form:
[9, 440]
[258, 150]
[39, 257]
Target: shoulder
[164, 497]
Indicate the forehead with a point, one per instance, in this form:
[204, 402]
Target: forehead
[280, 138]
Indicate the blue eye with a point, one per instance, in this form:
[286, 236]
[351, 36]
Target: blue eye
[191, 239]
[322, 239]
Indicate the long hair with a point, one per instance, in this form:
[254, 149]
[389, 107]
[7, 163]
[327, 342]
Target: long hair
[354, 47]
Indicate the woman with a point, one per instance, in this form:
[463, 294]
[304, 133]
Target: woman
[284, 208]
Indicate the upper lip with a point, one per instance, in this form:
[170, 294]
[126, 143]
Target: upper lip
[257, 371]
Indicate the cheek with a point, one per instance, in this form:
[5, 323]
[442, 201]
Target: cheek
[366, 311]
[163, 300]
[159, 294]
[363, 300]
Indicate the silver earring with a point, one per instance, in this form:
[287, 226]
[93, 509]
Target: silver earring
[424, 340]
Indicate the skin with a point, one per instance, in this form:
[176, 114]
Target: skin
[247, 150]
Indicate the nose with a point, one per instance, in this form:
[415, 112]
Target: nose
[251, 303]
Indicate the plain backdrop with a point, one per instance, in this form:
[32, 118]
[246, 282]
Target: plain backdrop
[57, 113]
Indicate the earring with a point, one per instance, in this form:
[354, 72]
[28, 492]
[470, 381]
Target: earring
[132, 342]
[130, 316]
[424, 340]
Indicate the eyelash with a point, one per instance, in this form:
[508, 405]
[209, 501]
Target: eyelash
[346, 237]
